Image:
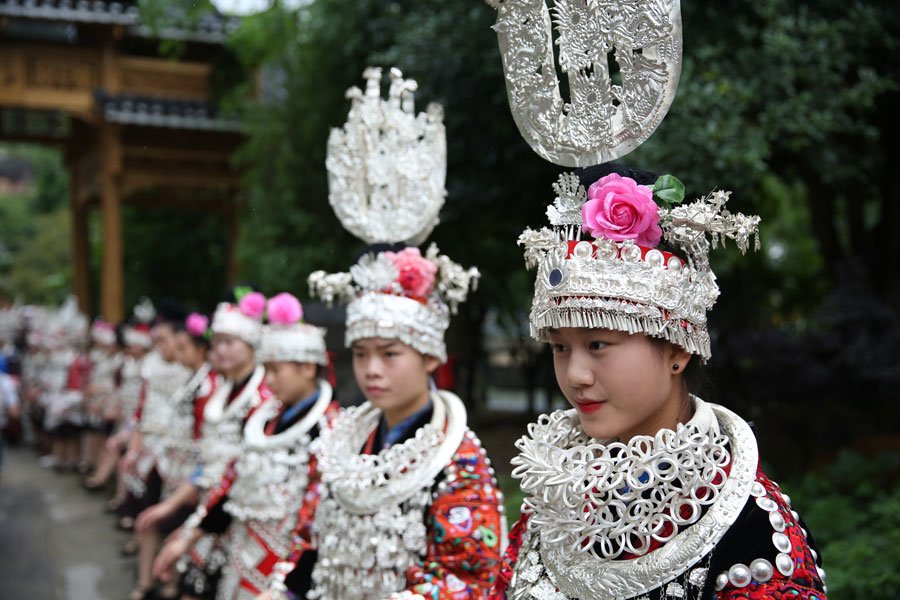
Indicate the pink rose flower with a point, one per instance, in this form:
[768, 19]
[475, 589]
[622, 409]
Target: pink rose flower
[253, 305]
[416, 273]
[196, 324]
[284, 309]
[620, 209]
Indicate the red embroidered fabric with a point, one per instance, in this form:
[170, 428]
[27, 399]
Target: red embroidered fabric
[464, 533]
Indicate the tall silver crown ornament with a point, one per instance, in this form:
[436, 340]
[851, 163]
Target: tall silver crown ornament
[600, 265]
[386, 174]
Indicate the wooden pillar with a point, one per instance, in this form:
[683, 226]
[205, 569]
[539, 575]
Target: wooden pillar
[80, 261]
[111, 284]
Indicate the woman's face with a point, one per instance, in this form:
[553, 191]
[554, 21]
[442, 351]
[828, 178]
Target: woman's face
[621, 385]
[187, 352]
[391, 374]
[165, 342]
[232, 354]
[291, 381]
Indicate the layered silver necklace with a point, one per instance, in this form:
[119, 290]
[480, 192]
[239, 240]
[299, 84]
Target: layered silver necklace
[272, 475]
[370, 521]
[223, 426]
[593, 501]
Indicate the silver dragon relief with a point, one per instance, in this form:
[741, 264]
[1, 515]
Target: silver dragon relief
[603, 119]
[387, 166]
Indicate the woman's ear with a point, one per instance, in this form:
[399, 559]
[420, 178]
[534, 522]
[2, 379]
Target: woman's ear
[307, 370]
[431, 363]
[678, 359]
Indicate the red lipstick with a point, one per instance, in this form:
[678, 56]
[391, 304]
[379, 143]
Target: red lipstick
[586, 405]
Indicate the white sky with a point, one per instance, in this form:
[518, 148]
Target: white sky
[248, 7]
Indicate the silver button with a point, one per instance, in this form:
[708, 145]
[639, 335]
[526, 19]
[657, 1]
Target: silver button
[784, 564]
[739, 575]
[757, 490]
[767, 504]
[782, 542]
[776, 520]
[721, 581]
[761, 570]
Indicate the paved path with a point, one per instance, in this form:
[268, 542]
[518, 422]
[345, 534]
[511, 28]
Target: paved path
[55, 541]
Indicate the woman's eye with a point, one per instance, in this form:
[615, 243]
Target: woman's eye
[391, 354]
[595, 345]
[557, 348]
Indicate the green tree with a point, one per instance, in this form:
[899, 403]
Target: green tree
[34, 229]
[41, 271]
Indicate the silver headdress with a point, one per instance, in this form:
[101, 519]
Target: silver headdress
[387, 166]
[399, 295]
[230, 319]
[621, 285]
[603, 120]
[618, 280]
[386, 172]
[286, 338]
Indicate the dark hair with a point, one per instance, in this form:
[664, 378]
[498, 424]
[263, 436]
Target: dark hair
[170, 312]
[590, 175]
[120, 336]
[694, 374]
[198, 340]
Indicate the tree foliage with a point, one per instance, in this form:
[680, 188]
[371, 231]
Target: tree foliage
[35, 254]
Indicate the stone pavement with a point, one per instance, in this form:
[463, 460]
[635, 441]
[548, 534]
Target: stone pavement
[55, 541]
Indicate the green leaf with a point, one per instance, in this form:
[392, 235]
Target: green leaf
[669, 189]
[241, 291]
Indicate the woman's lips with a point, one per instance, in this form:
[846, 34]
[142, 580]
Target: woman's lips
[374, 390]
[586, 405]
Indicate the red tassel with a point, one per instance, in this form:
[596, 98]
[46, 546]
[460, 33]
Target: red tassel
[332, 378]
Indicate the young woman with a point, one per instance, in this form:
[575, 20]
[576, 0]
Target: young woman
[164, 377]
[236, 331]
[642, 489]
[99, 396]
[177, 458]
[409, 504]
[256, 501]
[136, 343]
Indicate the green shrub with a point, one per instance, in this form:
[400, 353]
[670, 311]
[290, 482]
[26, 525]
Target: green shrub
[852, 508]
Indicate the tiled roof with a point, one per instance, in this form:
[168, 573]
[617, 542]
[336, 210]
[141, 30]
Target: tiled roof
[160, 112]
[212, 28]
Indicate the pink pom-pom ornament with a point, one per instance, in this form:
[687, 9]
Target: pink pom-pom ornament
[196, 324]
[253, 305]
[284, 309]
